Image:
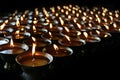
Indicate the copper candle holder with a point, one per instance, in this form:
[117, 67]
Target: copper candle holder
[36, 66]
[8, 54]
[40, 42]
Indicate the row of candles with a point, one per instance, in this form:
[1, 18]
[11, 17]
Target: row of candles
[51, 32]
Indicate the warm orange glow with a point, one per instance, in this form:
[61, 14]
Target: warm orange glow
[79, 26]
[61, 21]
[85, 34]
[33, 49]
[17, 23]
[52, 9]
[69, 16]
[2, 26]
[99, 20]
[50, 34]
[62, 10]
[51, 26]
[11, 43]
[66, 29]
[45, 12]
[21, 18]
[55, 47]
[33, 38]
[34, 29]
[78, 33]
[67, 37]
[98, 32]
[6, 21]
[35, 21]
[107, 27]
[114, 25]
[58, 7]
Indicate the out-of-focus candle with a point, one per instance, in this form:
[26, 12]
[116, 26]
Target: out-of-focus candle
[70, 41]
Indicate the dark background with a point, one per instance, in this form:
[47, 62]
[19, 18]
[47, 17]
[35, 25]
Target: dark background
[11, 5]
[105, 61]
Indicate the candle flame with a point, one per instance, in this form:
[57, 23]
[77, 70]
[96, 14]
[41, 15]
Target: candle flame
[67, 37]
[21, 18]
[98, 32]
[61, 21]
[34, 29]
[66, 29]
[114, 25]
[85, 34]
[2, 26]
[45, 12]
[11, 43]
[33, 49]
[79, 26]
[51, 26]
[107, 27]
[33, 38]
[17, 23]
[55, 47]
[78, 33]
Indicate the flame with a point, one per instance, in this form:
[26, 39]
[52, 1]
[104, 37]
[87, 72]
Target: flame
[99, 20]
[52, 9]
[98, 32]
[17, 32]
[83, 18]
[67, 37]
[61, 21]
[33, 38]
[69, 17]
[51, 26]
[107, 27]
[34, 29]
[85, 34]
[90, 25]
[66, 29]
[62, 10]
[111, 18]
[79, 26]
[114, 25]
[58, 7]
[116, 15]
[66, 12]
[45, 12]
[35, 20]
[6, 21]
[11, 43]
[50, 34]
[55, 47]
[33, 49]
[21, 18]
[73, 11]
[36, 11]
[77, 14]
[78, 33]
[17, 23]
[2, 26]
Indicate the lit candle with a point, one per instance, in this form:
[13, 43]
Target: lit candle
[88, 38]
[34, 58]
[8, 53]
[70, 41]
[58, 51]
[40, 43]
[13, 48]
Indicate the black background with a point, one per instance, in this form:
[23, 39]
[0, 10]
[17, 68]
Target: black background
[11, 5]
[105, 63]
